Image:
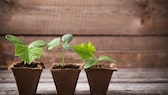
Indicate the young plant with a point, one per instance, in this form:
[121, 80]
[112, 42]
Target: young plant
[63, 42]
[27, 53]
[86, 51]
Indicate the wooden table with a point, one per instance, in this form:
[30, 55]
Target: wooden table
[124, 82]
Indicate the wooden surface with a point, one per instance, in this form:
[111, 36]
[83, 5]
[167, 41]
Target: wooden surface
[123, 82]
[134, 32]
[84, 17]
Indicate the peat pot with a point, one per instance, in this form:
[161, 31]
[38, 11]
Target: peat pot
[99, 79]
[65, 78]
[27, 78]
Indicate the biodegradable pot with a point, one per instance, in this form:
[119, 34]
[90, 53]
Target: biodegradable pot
[27, 79]
[65, 79]
[99, 79]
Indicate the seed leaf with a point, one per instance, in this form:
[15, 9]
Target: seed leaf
[67, 38]
[38, 43]
[15, 40]
[67, 47]
[90, 63]
[106, 58]
[53, 43]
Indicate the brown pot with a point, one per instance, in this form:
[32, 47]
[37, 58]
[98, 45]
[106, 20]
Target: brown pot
[65, 79]
[26, 79]
[99, 80]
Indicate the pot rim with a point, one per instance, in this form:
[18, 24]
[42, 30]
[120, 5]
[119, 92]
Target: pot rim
[12, 66]
[77, 64]
[101, 69]
[112, 67]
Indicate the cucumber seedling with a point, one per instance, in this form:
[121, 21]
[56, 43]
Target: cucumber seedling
[27, 53]
[63, 41]
[86, 52]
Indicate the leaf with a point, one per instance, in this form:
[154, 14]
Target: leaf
[38, 43]
[90, 63]
[28, 55]
[83, 53]
[15, 40]
[20, 50]
[53, 43]
[91, 47]
[67, 38]
[86, 51]
[67, 47]
[106, 58]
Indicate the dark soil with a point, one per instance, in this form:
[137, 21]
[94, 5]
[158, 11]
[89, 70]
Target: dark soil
[105, 66]
[101, 66]
[32, 65]
[66, 66]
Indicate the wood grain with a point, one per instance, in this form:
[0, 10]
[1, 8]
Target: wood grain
[123, 82]
[128, 51]
[84, 17]
[106, 43]
[134, 32]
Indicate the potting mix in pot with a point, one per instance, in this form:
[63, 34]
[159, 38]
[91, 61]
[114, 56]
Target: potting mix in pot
[99, 75]
[65, 75]
[27, 72]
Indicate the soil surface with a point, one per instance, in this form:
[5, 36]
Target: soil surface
[111, 66]
[32, 65]
[66, 66]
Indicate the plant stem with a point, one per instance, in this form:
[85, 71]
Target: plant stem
[83, 63]
[63, 55]
[94, 56]
[96, 59]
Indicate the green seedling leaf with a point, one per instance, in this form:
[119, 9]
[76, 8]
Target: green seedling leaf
[38, 43]
[64, 43]
[53, 43]
[15, 40]
[90, 63]
[86, 51]
[91, 48]
[67, 38]
[28, 55]
[67, 47]
[106, 58]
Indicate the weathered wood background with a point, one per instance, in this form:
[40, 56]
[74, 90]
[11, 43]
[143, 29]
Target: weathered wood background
[134, 32]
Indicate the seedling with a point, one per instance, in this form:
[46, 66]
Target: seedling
[27, 53]
[86, 51]
[63, 42]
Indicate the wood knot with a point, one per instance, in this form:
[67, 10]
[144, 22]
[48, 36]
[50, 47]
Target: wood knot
[9, 2]
[143, 3]
[147, 10]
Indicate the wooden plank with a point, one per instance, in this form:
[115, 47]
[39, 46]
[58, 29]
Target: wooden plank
[132, 76]
[144, 87]
[124, 60]
[72, 2]
[128, 51]
[84, 17]
[83, 89]
[105, 43]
